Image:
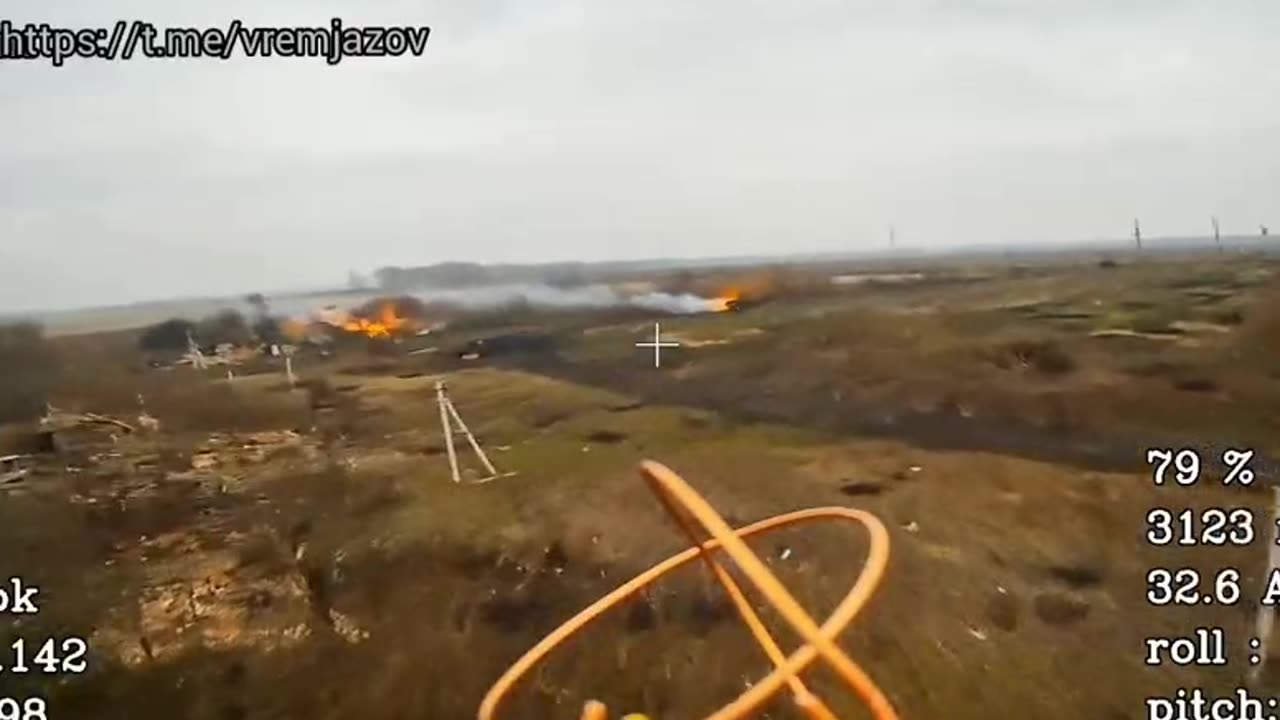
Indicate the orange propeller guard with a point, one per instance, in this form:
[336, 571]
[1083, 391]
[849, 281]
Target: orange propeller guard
[692, 512]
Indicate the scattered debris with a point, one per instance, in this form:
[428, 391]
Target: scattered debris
[12, 469]
[203, 460]
[346, 628]
[228, 451]
[198, 595]
[55, 420]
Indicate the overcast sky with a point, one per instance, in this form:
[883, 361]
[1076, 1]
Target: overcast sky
[602, 129]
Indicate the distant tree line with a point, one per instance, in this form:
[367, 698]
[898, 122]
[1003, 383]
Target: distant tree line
[225, 326]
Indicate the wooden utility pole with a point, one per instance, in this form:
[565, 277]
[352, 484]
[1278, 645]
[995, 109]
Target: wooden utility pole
[449, 417]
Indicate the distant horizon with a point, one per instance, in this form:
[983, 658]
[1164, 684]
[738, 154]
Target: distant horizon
[1153, 244]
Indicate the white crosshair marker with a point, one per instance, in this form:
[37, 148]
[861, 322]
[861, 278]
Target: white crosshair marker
[657, 343]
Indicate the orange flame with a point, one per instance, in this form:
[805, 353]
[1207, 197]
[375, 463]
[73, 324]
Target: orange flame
[387, 323]
[726, 301]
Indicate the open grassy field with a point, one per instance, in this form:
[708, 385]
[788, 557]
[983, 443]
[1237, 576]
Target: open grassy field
[278, 552]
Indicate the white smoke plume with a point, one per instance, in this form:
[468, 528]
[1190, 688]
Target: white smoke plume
[678, 304]
[589, 296]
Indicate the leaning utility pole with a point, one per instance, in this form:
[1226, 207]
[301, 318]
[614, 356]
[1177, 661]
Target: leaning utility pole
[448, 418]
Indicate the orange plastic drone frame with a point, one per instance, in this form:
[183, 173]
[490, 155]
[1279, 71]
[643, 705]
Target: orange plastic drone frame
[690, 510]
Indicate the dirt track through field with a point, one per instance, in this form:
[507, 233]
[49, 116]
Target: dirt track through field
[815, 409]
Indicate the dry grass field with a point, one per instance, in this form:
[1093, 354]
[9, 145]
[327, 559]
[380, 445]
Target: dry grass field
[278, 552]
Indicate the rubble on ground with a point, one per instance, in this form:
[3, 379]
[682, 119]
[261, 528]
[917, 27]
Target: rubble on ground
[232, 451]
[56, 420]
[13, 469]
[200, 595]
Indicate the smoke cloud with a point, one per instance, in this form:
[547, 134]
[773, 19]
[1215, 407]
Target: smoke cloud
[590, 296]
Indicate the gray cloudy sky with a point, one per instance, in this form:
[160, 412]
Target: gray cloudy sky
[597, 129]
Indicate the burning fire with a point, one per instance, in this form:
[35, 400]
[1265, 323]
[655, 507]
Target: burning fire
[726, 301]
[385, 325]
